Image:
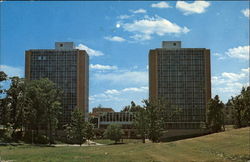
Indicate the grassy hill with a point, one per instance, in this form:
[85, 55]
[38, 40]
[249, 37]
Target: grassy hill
[232, 145]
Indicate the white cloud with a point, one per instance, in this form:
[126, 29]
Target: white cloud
[247, 70]
[241, 52]
[141, 37]
[229, 84]
[130, 89]
[91, 52]
[219, 56]
[160, 5]
[233, 76]
[102, 67]
[144, 28]
[118, 95]
[228, 77]
[12, 71]
[216, 80]
[115, 39]
[138, 11]
[125, 77]
[246, 12]
[104, 97]
[112, 91]
[197, 7]
[134, 89]
[125, 16]
[232, 88]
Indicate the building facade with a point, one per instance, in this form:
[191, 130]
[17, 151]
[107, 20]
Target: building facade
[102, 120]
[68, 68]
[181, 76]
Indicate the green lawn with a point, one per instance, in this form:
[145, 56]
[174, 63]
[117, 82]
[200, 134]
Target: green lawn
[232, 145]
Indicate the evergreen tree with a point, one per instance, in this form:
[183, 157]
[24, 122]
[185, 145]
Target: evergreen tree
[77, 126]
[89, 131]
[215, 116]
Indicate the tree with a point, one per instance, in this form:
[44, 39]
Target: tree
[77, 126]
[69, 133]
[89, 131]
[228, 113]
[141, 123]
[215, 116]
[4, 108]
[131, 108]
[241, 108]
[155, 117]
[43, 106]
[15, 99]
[150, 120]
[113, 132]
[3, 77]
[246, 102]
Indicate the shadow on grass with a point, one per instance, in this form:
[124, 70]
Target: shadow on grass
[25, 144]
[118, 143]
[176, 138]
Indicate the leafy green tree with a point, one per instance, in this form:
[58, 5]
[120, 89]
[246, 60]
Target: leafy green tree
[44, 106]
[52, 113]
[241, 108]
[69, 133]
[15, 101]
[3, 77]
[77, 126]
[4, 108]
[4, 112]
[141, 123]
[245, 93]
[155, 119]
[131, 108]
[215, 116]
[113, 132]
[150, 120]
[228, 114]
[89, 131]
[35, 112]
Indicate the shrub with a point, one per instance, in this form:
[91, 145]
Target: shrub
[17, 136]
[113, 132]
[41, 139]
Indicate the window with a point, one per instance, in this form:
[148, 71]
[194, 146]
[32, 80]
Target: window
[174, 44]
[61, 45]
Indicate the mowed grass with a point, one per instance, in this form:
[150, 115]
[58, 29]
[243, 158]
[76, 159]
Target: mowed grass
[231, 145]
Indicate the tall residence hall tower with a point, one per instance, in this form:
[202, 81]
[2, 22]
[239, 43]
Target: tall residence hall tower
[182, 77]
[68, 68]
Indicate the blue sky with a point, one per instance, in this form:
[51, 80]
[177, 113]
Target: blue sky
[118, 36]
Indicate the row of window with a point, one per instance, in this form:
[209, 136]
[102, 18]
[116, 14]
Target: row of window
[107, 117]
